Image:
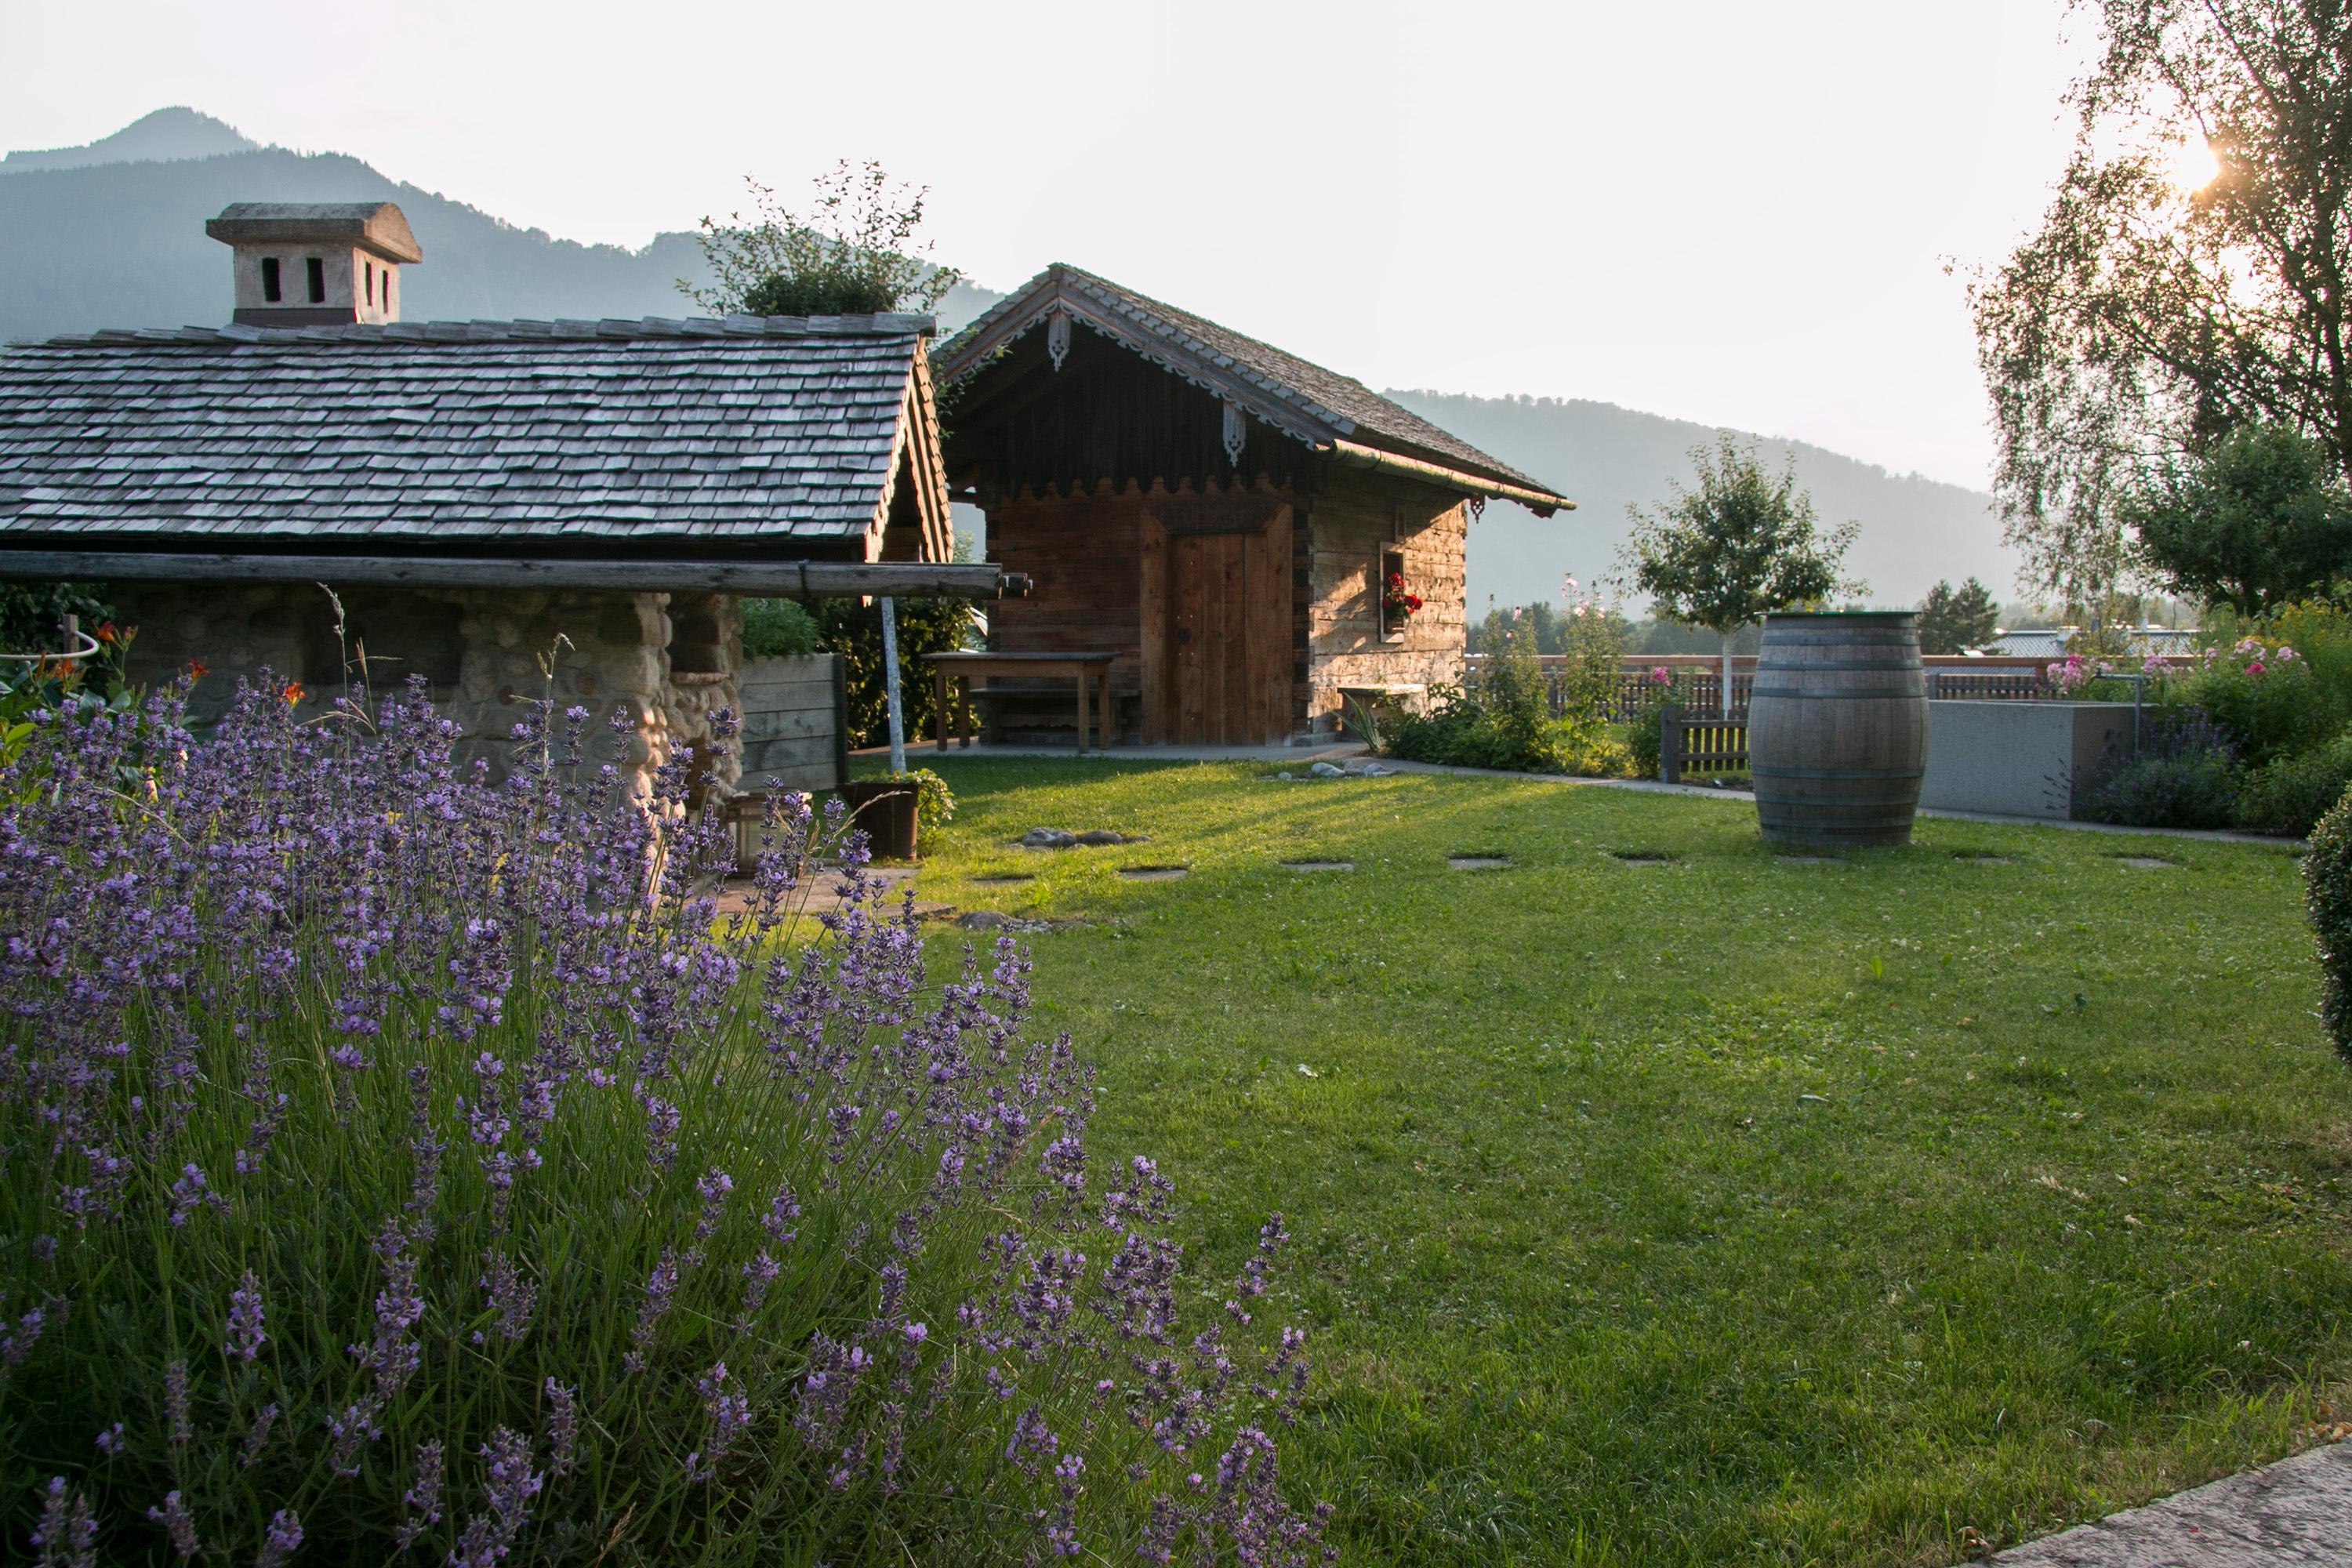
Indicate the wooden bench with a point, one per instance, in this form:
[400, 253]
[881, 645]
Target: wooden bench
[1082, 667]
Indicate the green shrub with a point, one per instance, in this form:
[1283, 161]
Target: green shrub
[1645, 740]
[854, 631]
[2289, 794]
[1586, 749]
[2185, 776]
[778, 628]
[2328, 893]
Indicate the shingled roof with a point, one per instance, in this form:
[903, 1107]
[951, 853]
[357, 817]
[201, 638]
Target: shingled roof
[1302, 399]
[721, 436]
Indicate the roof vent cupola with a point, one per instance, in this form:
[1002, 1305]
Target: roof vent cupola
[316, 264]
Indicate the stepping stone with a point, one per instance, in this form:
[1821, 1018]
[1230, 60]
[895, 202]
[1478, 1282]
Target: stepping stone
[1004, 880]
[1477, 862]
[1096, 836]
[1643, 857]
[1046, 839]
[1152, 873]
[990, 920]
[1303, 866]
[2150, 863]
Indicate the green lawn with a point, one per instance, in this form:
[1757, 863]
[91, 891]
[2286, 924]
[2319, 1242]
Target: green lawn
[1722, 1209]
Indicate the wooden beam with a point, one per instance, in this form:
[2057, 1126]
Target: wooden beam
[1356, 456]
[765, 579]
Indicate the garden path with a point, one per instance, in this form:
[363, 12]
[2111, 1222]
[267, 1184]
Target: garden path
[2296, 1512]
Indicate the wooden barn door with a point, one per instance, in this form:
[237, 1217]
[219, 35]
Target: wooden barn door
[1224, 637]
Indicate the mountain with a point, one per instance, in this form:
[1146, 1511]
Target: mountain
[1914, 530]
[112, 235]
[168, 133]
[85, 245]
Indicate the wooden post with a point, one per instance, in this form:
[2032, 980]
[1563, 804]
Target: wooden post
[940, 697]
[890, 681]
[1082, 709]
[1670, 743]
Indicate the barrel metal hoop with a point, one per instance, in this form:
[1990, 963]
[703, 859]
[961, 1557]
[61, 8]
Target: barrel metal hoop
[1837, 773]
[1788, 640]
[1843, 694]
[1889, 665]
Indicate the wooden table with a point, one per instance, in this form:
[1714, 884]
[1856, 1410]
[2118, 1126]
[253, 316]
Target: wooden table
[1078, 666]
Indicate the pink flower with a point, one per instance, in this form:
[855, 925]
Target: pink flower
[1514, 612]
[1659, 676]
[2286, 655]
[2255, 667]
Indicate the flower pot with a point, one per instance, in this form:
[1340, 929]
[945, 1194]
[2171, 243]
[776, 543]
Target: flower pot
[883, 810]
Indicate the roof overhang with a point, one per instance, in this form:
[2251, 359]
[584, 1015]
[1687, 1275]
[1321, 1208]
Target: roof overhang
[757, 579]
[1055, 292]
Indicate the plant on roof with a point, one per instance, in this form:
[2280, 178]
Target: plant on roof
[401, 1156]
[852, 253]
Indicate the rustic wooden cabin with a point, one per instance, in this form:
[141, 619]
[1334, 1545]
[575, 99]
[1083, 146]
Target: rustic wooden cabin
[482, 496]
[1222, 516]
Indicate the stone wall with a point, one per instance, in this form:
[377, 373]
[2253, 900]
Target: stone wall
[1353, 519]
[483, 654]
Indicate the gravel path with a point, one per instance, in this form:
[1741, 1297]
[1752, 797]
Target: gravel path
[2296, 1513]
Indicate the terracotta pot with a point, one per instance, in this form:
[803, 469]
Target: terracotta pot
[883, 810]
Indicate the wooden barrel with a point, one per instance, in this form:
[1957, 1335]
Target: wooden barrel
[1837, 728]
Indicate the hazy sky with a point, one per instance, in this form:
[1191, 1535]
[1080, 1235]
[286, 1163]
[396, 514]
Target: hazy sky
[1737, 213]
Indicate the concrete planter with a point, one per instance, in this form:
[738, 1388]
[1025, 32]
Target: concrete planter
[2017, 759]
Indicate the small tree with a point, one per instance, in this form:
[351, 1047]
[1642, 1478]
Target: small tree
[2253, 522]
[1955, 620]
[853, 254]
[1738, 547]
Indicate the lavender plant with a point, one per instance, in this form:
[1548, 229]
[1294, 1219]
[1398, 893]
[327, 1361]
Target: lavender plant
[404, 1162]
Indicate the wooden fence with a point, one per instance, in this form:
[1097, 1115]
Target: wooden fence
[795, 723]
[1696, 680]
[1699, 742]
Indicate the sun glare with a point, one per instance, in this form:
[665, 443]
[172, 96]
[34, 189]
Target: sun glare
[2194, 164]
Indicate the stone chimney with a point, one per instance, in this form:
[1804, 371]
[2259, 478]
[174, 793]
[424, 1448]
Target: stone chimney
[316, 264]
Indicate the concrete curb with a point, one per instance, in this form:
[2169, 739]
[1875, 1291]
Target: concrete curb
[2297, 1511]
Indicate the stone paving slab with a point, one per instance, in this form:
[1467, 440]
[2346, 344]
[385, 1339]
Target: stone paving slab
[2296, 1513]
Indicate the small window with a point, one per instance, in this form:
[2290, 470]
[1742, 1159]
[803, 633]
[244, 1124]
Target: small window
[1394, 593]
[370, 285]
[317, 280]
[269, 288]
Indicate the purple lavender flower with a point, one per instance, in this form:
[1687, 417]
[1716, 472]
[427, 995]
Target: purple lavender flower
[256, 1435]
[16, 1343]
[179, 1427]
[730, 1417]
[109, 1442]
[281, 1539]
[661, 1285]
[511, 1299]
[244, 1338]
[782, 1210]
[192, 1190]
[394, 1356]
[67, 1535]
[562, 1427]
[511, 1486]
[179, 1525]
[422, 1499]
[352, 1432]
